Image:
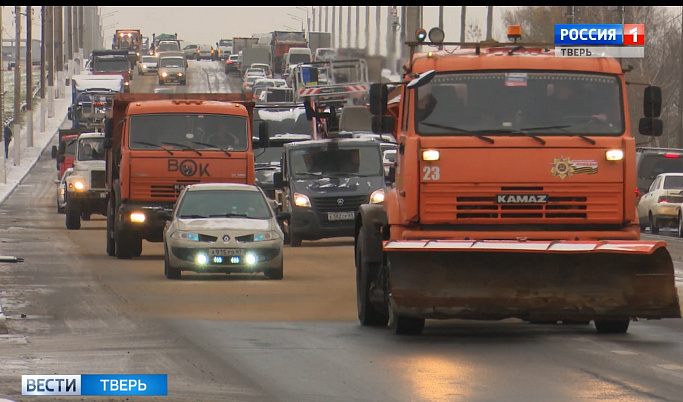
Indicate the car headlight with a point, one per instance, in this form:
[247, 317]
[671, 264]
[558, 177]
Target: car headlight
[271, 235]
[377, 196]
[164, 74]
[301, 200]
[182, 235]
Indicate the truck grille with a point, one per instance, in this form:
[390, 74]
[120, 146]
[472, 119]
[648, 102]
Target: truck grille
[565, 204]
[97, 179]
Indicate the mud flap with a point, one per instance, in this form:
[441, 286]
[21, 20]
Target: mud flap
[539, 280]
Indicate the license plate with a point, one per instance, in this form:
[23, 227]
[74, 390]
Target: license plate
[103, 195]
[225, 252]
[340, 216]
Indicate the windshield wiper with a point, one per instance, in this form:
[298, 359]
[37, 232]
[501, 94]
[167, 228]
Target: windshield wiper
[182, 146]
[317, 174]
[516, 131]
[212, 146]
[153, 145]
[562, 128]
[461, 130]
[192, 216]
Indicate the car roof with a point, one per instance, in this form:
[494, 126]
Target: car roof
[222, 186]
[343, 142]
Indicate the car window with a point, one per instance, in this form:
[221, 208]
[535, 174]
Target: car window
[673, 182]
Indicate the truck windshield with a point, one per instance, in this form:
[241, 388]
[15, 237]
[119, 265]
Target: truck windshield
[111, 65]
[172, 62]
[520, 103]
[330, 162]
[90, 149]
[188, 131]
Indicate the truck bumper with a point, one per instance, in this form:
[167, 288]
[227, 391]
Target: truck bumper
[142, 220]
[94, 201]
[309, 224]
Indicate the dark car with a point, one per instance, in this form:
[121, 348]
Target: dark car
[651, 161]
[323, 183]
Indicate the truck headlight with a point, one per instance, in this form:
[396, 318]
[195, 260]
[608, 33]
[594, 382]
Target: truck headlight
[301, 200]
[137, 217]
[79, 185]
[377, 196]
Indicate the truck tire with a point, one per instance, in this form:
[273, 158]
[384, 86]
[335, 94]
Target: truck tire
[124, 246]
[136, 246]
[169, 271]
[111, 241]
[367, 313]
[612, 326]
[73, 215]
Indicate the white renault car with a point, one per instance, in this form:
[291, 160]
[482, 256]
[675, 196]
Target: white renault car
[223, 228]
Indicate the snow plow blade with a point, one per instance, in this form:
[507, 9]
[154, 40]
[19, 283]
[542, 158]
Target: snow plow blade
[532, 280]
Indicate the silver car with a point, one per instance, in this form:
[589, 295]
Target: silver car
[223, 228]
[148, 64]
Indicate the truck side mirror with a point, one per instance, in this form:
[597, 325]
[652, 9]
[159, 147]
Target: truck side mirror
[379, 94]
[61, 158]
[62, 148]
[278, 181]
[391, 177]
[382, 124]
[263, 135]
[652, 101]
[54, 151]
[108, 128]
[651, 126]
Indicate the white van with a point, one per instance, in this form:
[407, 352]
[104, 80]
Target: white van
[296, 55]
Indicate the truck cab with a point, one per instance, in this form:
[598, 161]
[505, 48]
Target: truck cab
[86, 192]
[322, 184]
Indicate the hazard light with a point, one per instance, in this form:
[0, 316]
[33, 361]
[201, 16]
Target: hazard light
[515, 32]
[421, 35]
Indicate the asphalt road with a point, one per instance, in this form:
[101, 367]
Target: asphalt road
[71, 309]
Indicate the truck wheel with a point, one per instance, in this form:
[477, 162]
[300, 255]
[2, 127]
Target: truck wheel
[680, 225]
[73, 215]
[402, 325]
[169, 271]
[85, 216]
[367, 313]
[612, 326]
[123, 246]
[136, 246]
[111, 241]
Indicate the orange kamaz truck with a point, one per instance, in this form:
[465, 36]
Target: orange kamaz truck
[156, 144]
[508, 203]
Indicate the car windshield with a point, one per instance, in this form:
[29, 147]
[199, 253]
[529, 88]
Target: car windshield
[149, 59]
[164, 132]
[224, 203]
[531, 103]
[325, 161]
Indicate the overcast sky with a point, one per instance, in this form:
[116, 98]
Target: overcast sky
[203, 24]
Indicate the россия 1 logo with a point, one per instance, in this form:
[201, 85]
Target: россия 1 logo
[599, 34]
